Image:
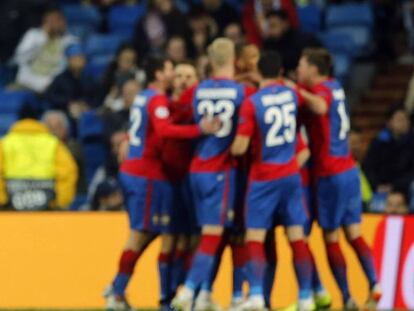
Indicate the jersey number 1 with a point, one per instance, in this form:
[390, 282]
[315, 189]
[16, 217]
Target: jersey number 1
[345, 124]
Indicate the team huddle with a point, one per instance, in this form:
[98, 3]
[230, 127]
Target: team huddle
[221, 163]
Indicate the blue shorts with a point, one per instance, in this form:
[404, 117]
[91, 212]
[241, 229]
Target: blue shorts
[184, 216]
[148, 203]
[272, 202]
[214, 197]
[339, 200]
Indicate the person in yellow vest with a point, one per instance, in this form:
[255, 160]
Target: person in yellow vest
[37, 172]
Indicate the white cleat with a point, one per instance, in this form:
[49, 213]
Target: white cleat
[236, 304]
[253, 303]
[180, 303]
[374, 298]
[306, 304]
[115, 302]
[206, 304]
[351, 305]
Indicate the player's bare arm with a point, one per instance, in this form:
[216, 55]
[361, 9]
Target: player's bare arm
[303, 156]
[240, 145]
[316, 103]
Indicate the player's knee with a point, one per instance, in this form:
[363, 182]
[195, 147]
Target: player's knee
[352, 232]
[331, 236]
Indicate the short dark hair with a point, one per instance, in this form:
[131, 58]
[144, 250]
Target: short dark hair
[28, 111]
[319, 57]
[270, 64]
[281, 14]
[152, 65]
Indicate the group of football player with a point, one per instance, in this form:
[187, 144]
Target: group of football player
[223, 161]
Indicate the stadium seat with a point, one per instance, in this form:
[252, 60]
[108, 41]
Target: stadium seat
[82, 15]
[102, 45]
[309, 17]
[350, 14]
[97, 66]
[7, 74]
[123, 18]
[361, 36]
[12, 101]
[338, 42]
[6, 121]
[91, 136]
[80, 31]
[342, 66]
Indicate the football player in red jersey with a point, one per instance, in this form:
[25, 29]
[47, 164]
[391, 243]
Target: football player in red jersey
[146, 191]
[338, 195]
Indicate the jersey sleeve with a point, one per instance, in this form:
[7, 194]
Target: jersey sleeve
[301, 100]
[185, 105]
[246, 119]
[160, 117]
[324, 92]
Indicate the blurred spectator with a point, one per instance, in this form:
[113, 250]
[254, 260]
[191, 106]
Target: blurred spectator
[254, 16]
[389, 163]
[161, 22]
[408, 19]
[16, 16]
[355, 144]
[234, 32]
[246, 65]
[176, 49]
[280, 36]
[123, 68]
[108, 197]
[37, 172]
[118, 119]
[220, 12]
[58, 124]
[109, 170]
[203, 67]
[40, 53]
[72, 91]
[203, 30]
[396, 204]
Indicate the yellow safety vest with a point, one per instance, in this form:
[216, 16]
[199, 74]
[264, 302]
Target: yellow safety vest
[29, 156]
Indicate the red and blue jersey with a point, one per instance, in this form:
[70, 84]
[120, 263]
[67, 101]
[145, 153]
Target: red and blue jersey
[269, 118]
[328, 133]
[177, 153]
[222, 98]
[150, 124]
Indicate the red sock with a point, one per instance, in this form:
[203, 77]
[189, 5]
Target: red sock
[127, 261]
[209, 244]
[256, 251]
[239, 254]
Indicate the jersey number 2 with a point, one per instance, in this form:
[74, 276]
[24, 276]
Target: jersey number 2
[280, 117]
[135, 118]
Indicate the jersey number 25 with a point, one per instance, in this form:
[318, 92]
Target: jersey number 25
[283, 121]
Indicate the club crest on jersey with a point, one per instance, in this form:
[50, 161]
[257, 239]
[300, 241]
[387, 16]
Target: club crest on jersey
[162, 112]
